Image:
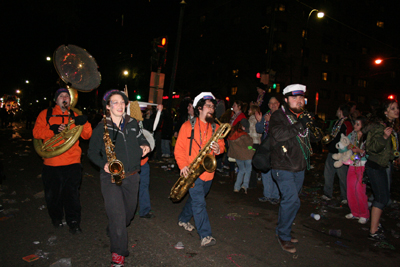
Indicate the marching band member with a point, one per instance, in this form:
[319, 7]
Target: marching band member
[62, 174]
[130, 145]
[186, 150]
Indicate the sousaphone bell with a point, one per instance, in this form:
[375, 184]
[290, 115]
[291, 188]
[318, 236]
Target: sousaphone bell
[79, 70]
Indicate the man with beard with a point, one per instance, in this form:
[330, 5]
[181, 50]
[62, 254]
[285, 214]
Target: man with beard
[193, 136]
[290, 156]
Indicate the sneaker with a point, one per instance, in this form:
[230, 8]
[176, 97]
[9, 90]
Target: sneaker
[235, 191]
[377, 236]
[263, 199]
[362, 220]
[351, 216]
[187, 226]
[208, 241]
[287, 246]
[344, 202]
[243, 190]
[57, 224]
[148, 216]
[274, 201]
[326, 198]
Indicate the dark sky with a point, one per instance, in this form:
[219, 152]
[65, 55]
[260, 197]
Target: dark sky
[32, 30]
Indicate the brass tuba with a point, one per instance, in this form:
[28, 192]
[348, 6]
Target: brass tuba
[78, 69]
[203, 162]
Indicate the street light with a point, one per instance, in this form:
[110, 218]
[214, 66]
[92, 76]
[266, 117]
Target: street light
[319, 15]
[48, 58]
[379, 61]
[125, 72]
[18, 91]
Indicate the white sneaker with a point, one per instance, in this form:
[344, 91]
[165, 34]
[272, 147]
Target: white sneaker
[351, 216]
[326, 198]
[187, 226]
[343, 202]
[362, 220]
[208, 241]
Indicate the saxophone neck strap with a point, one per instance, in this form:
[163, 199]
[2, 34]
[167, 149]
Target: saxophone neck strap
[192, 123]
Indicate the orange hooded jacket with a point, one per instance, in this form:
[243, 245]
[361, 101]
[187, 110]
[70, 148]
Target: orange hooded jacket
[182, 145]
[42, 131]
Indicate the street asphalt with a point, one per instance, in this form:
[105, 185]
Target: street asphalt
[243, 227]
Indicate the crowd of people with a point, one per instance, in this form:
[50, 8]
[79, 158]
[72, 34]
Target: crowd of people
[370, 141]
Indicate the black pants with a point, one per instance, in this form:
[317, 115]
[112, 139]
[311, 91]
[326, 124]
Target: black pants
[120, 203]
[61, 188]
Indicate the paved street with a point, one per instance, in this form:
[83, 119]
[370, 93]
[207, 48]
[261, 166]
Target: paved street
[243, 226]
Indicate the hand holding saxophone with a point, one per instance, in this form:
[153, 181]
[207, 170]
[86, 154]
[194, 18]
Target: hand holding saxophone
[185, 171]
[215, 147]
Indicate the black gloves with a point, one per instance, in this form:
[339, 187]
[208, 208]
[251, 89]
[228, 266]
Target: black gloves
[54, 128]
[81, 120]
[304, 120]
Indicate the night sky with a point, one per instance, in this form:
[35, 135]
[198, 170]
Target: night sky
[115, 33]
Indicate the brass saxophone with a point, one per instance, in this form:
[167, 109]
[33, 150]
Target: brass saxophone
[203, 162]
[310, 125]
[115, 166]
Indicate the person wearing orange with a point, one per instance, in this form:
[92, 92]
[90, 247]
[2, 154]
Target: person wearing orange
[186, 149]
[62, 174]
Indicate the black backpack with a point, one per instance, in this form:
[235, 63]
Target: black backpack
[262, 157]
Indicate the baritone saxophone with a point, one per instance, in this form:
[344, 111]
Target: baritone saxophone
[203, 162]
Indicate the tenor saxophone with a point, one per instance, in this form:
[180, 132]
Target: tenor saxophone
[115, 166]
[311, 125]
[203, 162]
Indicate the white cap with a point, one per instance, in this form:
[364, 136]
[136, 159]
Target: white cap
[294, 89]
[203, 95]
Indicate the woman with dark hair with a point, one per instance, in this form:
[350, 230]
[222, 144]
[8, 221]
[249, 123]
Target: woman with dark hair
[382, 148]
[356, 190]
[129, 146]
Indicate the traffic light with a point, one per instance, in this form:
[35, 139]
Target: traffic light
[274, 86]
[392, 97]
[258, 75]
[159, 51]
[138, 97]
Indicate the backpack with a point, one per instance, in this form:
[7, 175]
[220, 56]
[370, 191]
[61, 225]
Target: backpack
[192, 122]
[262, 157]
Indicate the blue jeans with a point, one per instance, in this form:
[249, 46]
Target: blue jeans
[196, 207]
[379, 185]
[243, 176]
[144, 195]
[290, 184]
[270, 187]
[165, 148]
[329, 174]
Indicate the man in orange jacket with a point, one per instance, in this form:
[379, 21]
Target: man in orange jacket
[62, 174]
[185, 153]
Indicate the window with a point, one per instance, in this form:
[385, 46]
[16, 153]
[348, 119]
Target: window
[303, 33]
[362, 83]
[380, 24]
[233, 90]
[279, 47]
[325, 58]
[235, 73]
[281, 8]
[347, 97]
[325, 76]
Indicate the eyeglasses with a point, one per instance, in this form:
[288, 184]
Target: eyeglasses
[210, 106]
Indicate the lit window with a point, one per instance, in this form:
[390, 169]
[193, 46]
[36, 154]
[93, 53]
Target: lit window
[380, 24]
[362, 83]
[235, 71]
[233, 90]
[325, 58]
[281, 8]
[324, 76]
[347, 97]
[303, 33]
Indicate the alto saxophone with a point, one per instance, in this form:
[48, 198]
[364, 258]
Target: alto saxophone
[115, 166]
[203, 162]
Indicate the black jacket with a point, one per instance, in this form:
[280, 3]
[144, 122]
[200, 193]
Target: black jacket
[127, 146]
[286, 153]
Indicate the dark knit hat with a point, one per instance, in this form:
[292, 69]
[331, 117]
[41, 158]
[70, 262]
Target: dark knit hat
[108, 94]
[59, 91]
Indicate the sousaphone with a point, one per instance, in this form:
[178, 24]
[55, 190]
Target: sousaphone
[79, 70]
